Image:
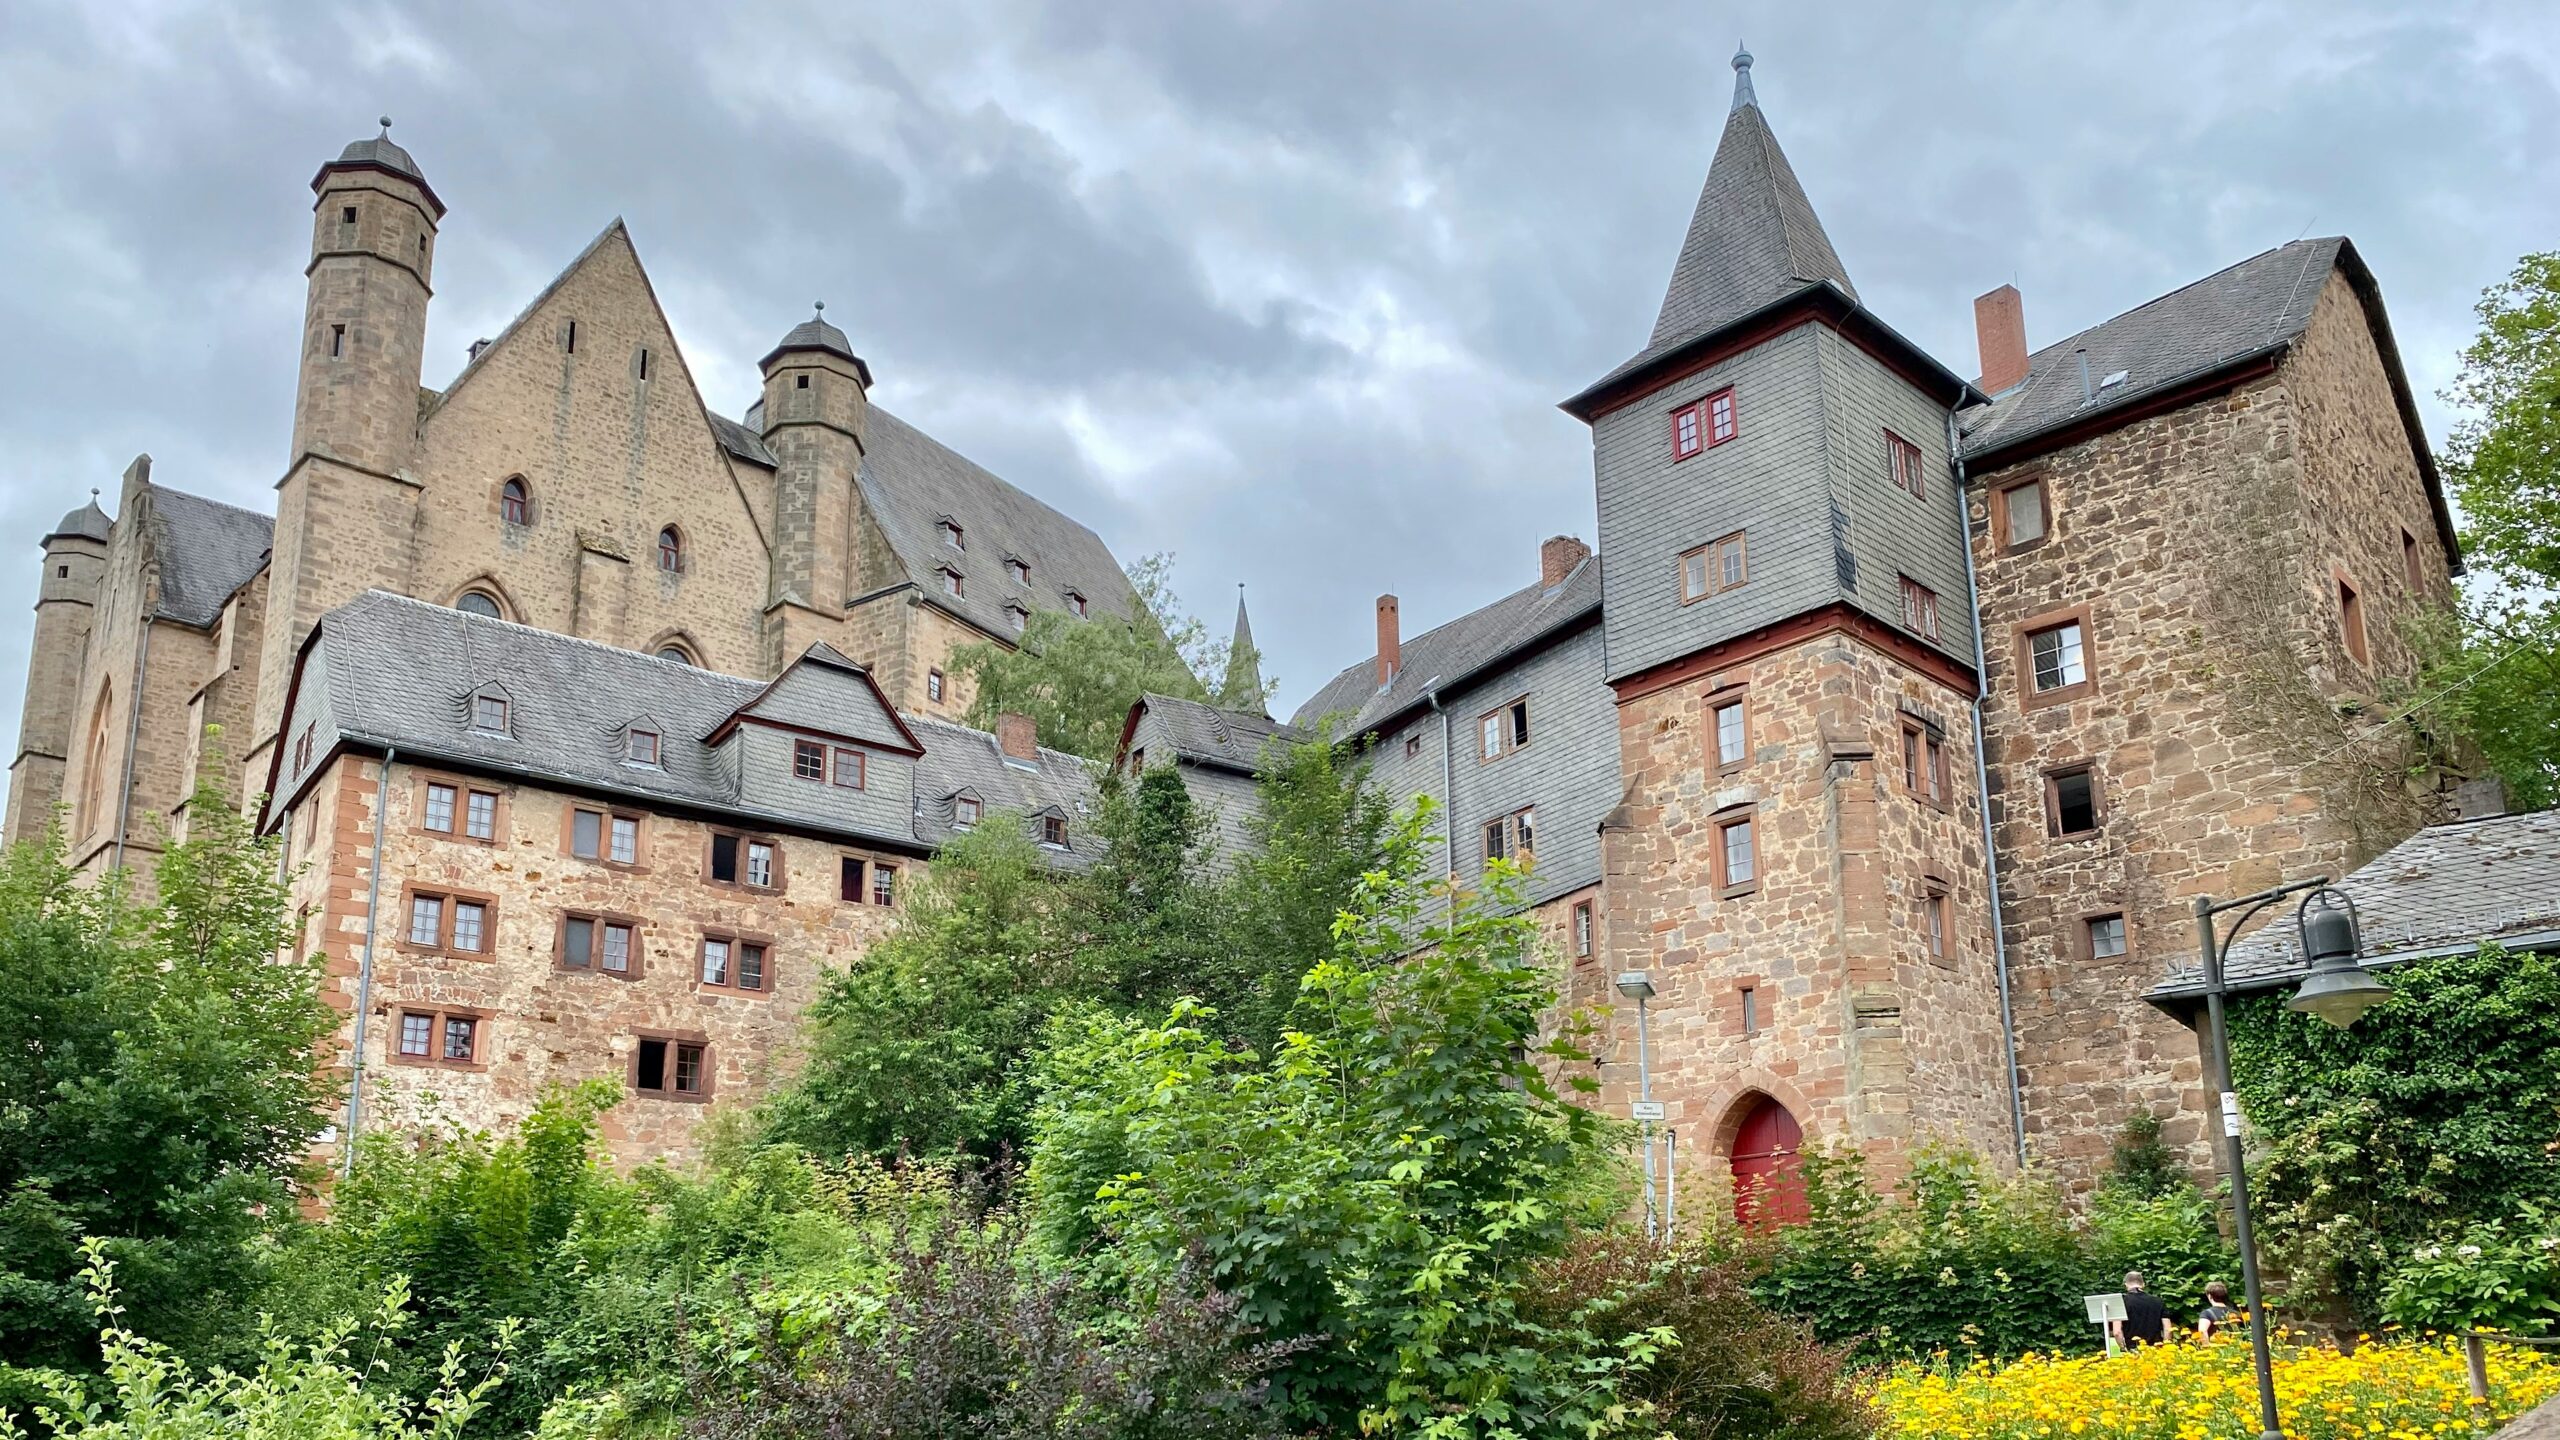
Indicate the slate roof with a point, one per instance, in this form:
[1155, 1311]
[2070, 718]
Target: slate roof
[380, 153]
[205, 550]
[86, 523]
[2446, 888]
[742, 442]
[2245, 310]
[1228, 739]
[816, 334]
[400, 671]
[958, 759]
[1753, 239]
[1448, 654]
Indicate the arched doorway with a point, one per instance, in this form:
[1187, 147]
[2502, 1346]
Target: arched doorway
[1767, 1187]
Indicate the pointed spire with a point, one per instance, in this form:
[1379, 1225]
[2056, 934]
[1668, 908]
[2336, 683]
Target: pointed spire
[1244, 688]
[1754, 237]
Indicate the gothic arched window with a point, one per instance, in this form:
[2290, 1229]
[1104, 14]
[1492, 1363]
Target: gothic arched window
[671, 551]
[479, 602]
[515, 503]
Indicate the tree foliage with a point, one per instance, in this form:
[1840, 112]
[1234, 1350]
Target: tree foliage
[1076, 677]
[2440, 1109]
[160, 1084]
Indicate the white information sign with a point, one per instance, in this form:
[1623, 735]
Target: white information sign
[2230, 1114]
[1646, 1110]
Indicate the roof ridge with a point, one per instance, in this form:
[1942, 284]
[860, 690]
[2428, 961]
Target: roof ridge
[207, 500]
[2167, 295]
[471, 366]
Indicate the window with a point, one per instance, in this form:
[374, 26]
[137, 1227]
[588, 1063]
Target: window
[1924, 763]
[1582, 930]
[808, 760]
[1732, 733]
[439, 812]
[2410, 560]
[1716, 566]
[760, 864]
[729, 963]
[1413, 745]
[337, 341]
[1720, 417]
[2071, 802]
[849, 879]
[1020, 571]
[347, 216]
[623, 845]
[2351, 620]
[437, 1037]
[1902, 463]
[1688, 431]
[2057, 659]
[1503, 730]
[417, 1033]
[596, 942]
[1919, 609]
[1737, 855]
[1513, 837]
[933, 686]
[676, 654]
[2106, 937]
[480, 815]
[670, 553]
[2021, 515]
[480, 603]
[457, 924]
[951, 582]
[461, 1038]
[569, 337]
[489, 712]
[737, 860]
[851, 767]
[951, 535]
[1076, 605]
[668, 1068]
[640, 363]
[586, 834]
[1053, 831]
[884, 884]
[1750, 996]
[964, 812]
[640, 747]
[800, 382]
[595, 835]
[514, 505]
[302, 747]
[1936, 920]
[1016, 617]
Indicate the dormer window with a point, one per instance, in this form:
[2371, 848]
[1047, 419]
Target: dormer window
[951, 585]
[1019, 569]
[965, 811]
[1076, 604]
[1017, 617]
[489, 713]
[951, 534]
[640, 747]
[1053, 831]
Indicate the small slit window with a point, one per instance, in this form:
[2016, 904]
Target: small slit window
[337, 341]
[640, 363]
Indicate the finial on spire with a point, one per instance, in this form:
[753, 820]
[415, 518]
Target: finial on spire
[822, 309]
[386, 127]
[1742, 78]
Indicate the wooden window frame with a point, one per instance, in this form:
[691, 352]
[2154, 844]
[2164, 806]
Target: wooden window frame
[437, 1015]
[1583, 935]
[1513, 715]
[1715, 703]
[2053, 776]
[954, 584]
[506, 714]
[735, 940]
[605, 819]
[814, 752]
[515, 502]
[745, 838]
[411, 893]
[1720, 823]
[977, 812]
[950, 533]
[1413, 745]
[836, 767]
[2351, 618]
[1732, 416]
[1937, 920]
[595, 962]
[884, 881]
[1750, 1016]
[857, 869]
[1053, 831]
[631, 746]
[1078, 606]
[1694, 443]
[2084, 939]
[1017, 569]
[1919, 608]
[1713, 556]
[933, 685]
[673, 1039]
[1926, 775]
[2022, 650]
[1902, 463]
[670, 550]
[1514, 849]
[2003, 538]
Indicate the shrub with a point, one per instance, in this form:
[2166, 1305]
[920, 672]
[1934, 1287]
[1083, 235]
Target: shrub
[2490, 1275]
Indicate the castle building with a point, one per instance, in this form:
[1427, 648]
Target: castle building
[1891, 730]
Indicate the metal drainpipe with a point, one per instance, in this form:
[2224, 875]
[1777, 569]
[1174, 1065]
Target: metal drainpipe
[364, 970]
[1448, 785]
[132, 738]
[1982, 799]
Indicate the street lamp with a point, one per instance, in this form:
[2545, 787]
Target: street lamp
[1636, 985]
[2337, 990]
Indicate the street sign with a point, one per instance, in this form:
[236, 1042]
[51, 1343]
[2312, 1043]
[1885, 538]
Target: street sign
[1645, 1110]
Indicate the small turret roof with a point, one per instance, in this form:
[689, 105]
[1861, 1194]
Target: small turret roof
[380, 152]
[815, 333]
[86, 523]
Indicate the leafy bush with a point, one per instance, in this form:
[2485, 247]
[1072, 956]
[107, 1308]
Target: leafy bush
[321, 1391]
[2491, 1275]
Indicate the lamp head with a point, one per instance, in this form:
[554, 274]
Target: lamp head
[2338, 989]
[1635, 985]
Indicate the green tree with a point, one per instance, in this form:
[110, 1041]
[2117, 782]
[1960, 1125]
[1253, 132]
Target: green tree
[2439, 1110]
[1076, 678]
[160, 1086]
[2493, 671]
[1382, 1187]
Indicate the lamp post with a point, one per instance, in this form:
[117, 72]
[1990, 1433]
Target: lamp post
[2338, 990]
[1636, 985]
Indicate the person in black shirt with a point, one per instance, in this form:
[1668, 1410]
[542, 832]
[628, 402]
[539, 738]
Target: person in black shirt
[2146, 1320]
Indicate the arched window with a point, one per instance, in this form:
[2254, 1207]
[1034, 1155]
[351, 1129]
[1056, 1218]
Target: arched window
[675, 653]
[479, 602]
[1768, 1188]
[671, 551]
[515, 504]
[93, 785]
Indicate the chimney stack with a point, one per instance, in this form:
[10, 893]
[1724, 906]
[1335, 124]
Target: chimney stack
[1017, 737]
[1390, 641]
[2000, 333]
[1557, 559]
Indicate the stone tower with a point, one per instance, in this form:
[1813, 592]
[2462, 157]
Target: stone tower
[816, 402]
[75, 566]
[345, 509]
[1798, 861]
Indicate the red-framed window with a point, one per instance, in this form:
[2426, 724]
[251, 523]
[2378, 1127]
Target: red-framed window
[1919, 609]
[808, 760]
[1902, 463]
[514, 503]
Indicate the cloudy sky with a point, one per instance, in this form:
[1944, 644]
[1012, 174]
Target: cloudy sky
[1289, 290]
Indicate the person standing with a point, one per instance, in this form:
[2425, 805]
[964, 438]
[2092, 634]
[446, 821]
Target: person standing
[2217, 1311]
[2146, 1319]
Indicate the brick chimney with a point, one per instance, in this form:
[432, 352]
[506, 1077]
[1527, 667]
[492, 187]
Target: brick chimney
[1017, 737]
[1390, 641]
[2000, 332]
[1557, 557]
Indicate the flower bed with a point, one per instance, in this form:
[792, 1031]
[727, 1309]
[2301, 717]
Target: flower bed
[2397, 1389]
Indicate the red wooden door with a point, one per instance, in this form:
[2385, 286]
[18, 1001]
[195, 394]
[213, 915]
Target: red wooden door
[1767, 1190]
